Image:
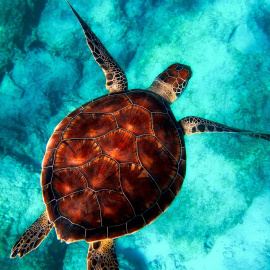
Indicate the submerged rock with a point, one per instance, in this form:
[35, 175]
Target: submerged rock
[16, 27]
[8, 87]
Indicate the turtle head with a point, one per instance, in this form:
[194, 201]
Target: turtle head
[171, 82]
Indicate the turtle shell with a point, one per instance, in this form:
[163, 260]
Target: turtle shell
[112, 166]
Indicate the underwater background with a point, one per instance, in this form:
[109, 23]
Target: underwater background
[221, 218]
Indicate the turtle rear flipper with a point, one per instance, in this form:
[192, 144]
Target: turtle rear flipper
[32, 238]
[193, 125]
[101, 255]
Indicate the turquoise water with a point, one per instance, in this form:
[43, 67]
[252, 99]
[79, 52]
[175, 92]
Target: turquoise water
[221, 219]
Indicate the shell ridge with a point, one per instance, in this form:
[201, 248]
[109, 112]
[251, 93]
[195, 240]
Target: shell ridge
[86, 104]
[100, 149]
[94, 138]
[152, 124]
[180, 142]
[137, 152]
[50, 176]
[78, 167]
[129, 98]
[100, 214]
[72, 193]
[159, 206]
[52, 193]
[111, 158]
[171, 192]
[107, 189]
[83, 177]
[145, 168]
[134, 213]
[117, 126]
[73, 223]
[166, 148]
[143, 219]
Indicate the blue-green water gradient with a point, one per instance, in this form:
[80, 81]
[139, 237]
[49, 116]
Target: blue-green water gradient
[221, 219]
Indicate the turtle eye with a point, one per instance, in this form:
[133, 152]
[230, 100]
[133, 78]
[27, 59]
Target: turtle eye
[176, 75]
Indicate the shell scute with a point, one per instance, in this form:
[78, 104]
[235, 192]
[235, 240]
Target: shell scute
[46, 176]
[52, 210]
[54, 140]
[182, 168]
[177, 184]
[167, 133]
[47, 193]
[73, 153]
[161, 165]
[115, 209]
[81, 208]
[67, 231]
[139, 188]
[89, 125]
[67, 181]
[101, 173]
[108, 104]
[165, 200]
[131, 119]
[146, 100]
[96, 234]
[114, 231]
[120, 145]
[151, 214]
[75, 112]
[48, 158]
[113, 167]
[135, 224]
[63, 124]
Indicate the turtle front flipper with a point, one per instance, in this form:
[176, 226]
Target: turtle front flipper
[192, 125]
[32, 238]
[116, 80]
[101, 255]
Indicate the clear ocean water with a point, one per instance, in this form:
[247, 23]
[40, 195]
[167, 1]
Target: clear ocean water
[221, 219]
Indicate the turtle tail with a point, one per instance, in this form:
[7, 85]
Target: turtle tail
[32, 238]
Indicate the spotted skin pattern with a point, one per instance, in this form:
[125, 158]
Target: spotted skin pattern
[32, 238]
[116, 80]
[102, 256]
[171, 82]
[193, 125]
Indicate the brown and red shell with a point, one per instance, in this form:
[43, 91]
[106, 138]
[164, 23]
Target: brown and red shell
[112, 166]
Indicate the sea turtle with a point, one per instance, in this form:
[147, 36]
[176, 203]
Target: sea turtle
[116, 163]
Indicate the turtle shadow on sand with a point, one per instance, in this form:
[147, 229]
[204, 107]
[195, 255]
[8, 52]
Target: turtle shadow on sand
[57, 252]
[134, 258]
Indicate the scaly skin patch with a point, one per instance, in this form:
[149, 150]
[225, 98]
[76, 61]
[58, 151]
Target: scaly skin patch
[116, 80]
[101, 256]
[171, 83]
[193, 125]
[32, 238]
